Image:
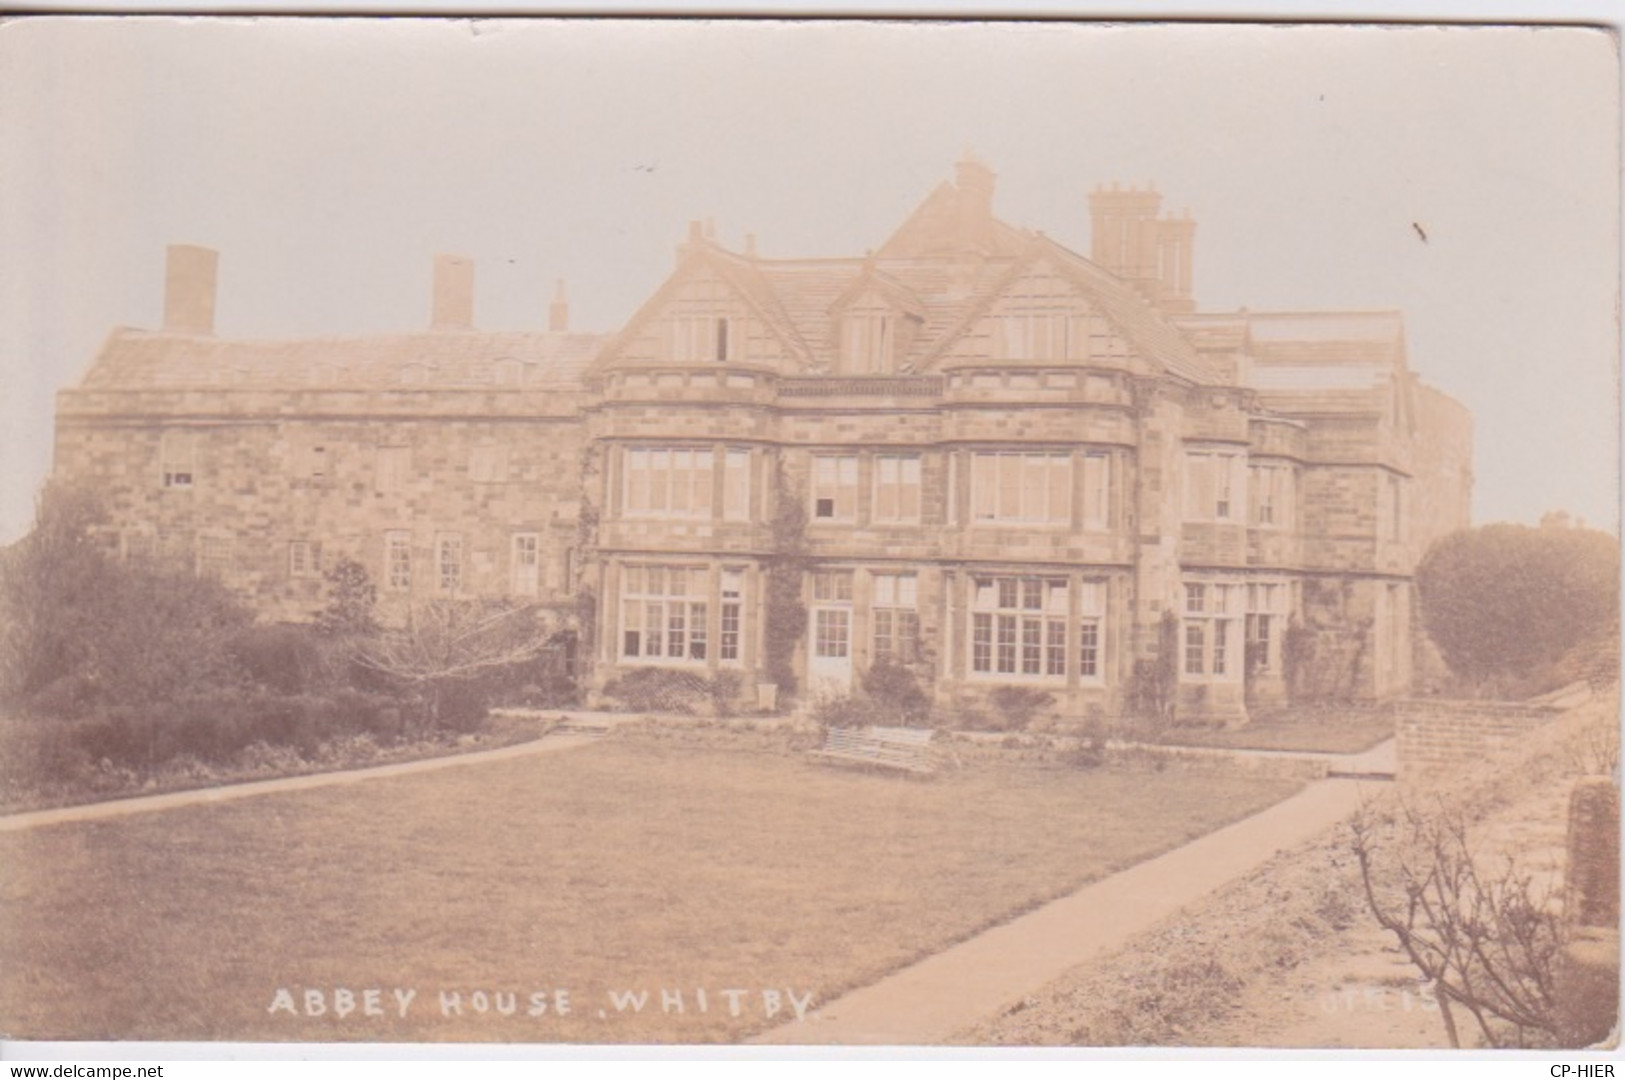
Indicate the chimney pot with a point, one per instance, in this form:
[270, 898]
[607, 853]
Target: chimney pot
[453, 304]
[189, 289]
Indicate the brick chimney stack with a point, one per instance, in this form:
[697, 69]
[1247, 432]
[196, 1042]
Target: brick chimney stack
[189, 289]
[453, 293]
[1151, 253]
[558, 312]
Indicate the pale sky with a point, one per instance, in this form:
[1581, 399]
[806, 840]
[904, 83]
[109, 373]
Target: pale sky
[328, 161]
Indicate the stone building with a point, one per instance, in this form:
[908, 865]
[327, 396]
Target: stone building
[971, 451]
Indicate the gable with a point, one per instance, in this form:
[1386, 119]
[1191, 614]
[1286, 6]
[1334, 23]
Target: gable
[1040, 316]
[700, 316]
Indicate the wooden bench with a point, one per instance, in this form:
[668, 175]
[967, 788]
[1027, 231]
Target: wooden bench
[888, 747]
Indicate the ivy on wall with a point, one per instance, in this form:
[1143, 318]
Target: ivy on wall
[1324, 654]
[1154, 684]
[786, 614]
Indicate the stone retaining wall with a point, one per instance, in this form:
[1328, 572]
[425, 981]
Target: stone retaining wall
[1437, 736]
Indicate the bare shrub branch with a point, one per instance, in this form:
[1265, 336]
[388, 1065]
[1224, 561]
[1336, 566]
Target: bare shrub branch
[1488, 940]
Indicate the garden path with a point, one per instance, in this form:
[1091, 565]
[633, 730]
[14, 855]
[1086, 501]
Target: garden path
[142, 804]
[928, 1002]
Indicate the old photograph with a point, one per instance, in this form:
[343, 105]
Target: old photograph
[789, 532]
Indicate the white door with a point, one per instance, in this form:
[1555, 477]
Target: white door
[829, 667]
[526, 555]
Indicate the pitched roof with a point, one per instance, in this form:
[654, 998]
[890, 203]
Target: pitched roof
[947, 221]
[145, 359]
[1156, 339]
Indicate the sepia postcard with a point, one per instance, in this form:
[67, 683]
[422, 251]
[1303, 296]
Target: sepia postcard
[785, 532]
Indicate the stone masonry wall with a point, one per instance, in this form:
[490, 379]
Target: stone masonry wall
[1438, 736]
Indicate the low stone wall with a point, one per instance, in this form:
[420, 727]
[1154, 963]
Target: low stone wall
[1439, 735]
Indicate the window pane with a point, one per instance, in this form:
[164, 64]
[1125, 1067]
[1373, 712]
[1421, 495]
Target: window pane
[696, 631]
[1007, 644]
[1096, 474]
[1032, 646]
[982, 643]
[1055, 648]
[984, 487]
[1010, 487]
[729, 649]
[659, 479]
[1060, 488]
[883, 636]
[736, 489]
[908, 637]
[885, 589]
[1089, 650]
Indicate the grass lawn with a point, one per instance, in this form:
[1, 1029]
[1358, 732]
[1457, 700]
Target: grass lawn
[1312, 731]
[628, 865]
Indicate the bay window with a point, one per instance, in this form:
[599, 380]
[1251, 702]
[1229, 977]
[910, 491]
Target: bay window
[1209, 637]
[1215, 485]
[835, 487]
[896, 619]
[897, 488]
[668, 481]
[1018, 627]
[663, 613]
[1021, 487]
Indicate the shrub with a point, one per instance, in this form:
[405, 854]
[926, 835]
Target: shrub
[969, 715]
[284, 657]
[723, 688]
[1090, 751]
[551, 692]
[1503, 598]
[352, 601]
[1019, 706]
[1154, 683]
[844, 711]
[659, 690]
[543, 680]
[896, 695]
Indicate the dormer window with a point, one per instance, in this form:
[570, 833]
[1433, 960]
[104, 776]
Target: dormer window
[509, 373]
[1036, 335]
[867, 343]
[703, 338]
[414, 374]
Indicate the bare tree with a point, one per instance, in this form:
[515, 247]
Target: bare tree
[1489, 941]
[445, 645]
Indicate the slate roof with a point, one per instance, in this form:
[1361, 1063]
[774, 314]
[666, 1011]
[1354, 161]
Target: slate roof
[145, 359]
[946, 265]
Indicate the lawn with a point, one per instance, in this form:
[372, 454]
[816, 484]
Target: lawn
[1320, 731]
[586, 876]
